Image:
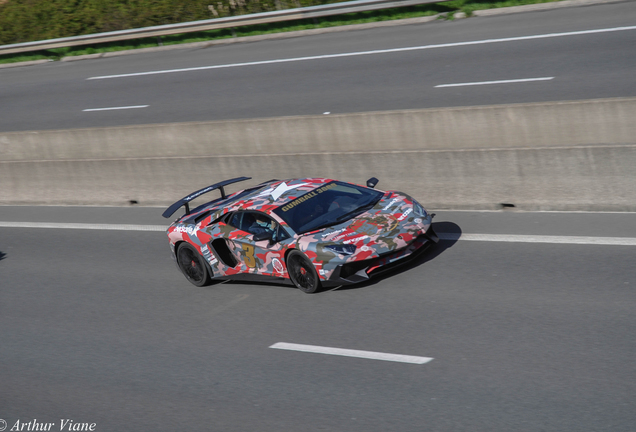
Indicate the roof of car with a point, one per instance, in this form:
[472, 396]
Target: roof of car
[265, 197]
[273, 194]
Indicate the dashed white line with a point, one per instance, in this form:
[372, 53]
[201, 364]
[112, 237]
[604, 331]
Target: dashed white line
[360, 53]
[116, 108]
[401, 358]
[522, 80]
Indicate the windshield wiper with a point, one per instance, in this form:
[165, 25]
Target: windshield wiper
[355, 212]
[319, 227]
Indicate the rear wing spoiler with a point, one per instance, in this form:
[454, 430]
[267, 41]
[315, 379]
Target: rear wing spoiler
[185, 201]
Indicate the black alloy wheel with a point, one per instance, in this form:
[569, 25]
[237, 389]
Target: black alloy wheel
[302, 272]
[192, 265]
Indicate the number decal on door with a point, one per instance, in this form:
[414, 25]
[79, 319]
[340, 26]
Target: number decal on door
[249, 258]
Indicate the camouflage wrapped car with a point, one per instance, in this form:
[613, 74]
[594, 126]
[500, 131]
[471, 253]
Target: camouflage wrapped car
[313, 232]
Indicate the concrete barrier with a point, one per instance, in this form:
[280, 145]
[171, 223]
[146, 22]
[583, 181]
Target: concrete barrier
[554, 156]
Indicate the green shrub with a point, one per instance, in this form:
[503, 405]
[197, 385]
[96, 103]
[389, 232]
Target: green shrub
[31, 20]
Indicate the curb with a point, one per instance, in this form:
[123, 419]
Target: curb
[27, 63]
[352, 27]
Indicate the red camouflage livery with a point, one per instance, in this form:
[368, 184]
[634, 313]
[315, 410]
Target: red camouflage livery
[313, 232]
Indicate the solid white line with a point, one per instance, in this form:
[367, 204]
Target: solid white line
[432, 210]
[609, 241]
[495, 82]
[352, 353]
[116, 108]
[105, 227]
[384, 51]
[507, 238]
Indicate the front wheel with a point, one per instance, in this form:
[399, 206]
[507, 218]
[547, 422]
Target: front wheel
[192, 265]
[302, 272]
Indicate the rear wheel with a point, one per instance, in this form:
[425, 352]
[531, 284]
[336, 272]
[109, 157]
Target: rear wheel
[192, 265]
[302, 272]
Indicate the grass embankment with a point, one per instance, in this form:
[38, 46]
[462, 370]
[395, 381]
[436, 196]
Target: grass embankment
[448, 8]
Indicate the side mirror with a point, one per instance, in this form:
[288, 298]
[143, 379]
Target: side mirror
[372, 182]
[266, 235]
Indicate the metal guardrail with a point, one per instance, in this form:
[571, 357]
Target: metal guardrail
[213, 24]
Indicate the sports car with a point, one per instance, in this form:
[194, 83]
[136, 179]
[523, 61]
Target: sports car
[312, 232]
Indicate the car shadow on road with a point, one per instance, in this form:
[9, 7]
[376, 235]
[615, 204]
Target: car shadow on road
[449, 233]
[2, 255]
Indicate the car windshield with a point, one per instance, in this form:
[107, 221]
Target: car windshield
[327, 205]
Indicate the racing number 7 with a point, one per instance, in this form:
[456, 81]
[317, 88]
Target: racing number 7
[248, 257]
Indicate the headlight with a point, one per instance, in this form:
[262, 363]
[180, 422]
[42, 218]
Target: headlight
[346, 249]
[419, 210]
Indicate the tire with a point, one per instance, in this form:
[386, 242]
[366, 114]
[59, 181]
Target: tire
[302, 272]
[193, 265]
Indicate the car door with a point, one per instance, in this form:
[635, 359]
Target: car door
[264, 257]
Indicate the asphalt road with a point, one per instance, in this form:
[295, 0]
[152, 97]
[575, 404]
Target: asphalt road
[574, 66]
[98, 326]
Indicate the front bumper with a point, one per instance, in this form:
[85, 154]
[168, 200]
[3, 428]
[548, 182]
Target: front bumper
[360, 271]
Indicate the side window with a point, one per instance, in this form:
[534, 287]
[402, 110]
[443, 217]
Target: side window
[235, 220]
[256, 223]
[247, 221]
[280, 234]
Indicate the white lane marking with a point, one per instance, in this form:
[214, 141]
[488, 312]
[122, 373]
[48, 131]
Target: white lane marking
[105, 227]
[360, 53]
[352, 353]
[609, 241]
[531, 211]
[522, 80]
[116, 108]
[507, 238]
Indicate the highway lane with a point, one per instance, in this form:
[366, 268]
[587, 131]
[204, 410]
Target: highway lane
[583, 66]
[99, 326]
